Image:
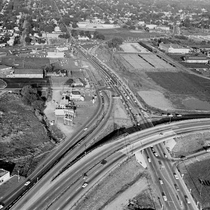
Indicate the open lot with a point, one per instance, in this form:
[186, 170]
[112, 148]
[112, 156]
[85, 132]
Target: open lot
[125, 34]
[182, 84]
[195, 170]
[133, 48]
[24, 62]
[21, 82]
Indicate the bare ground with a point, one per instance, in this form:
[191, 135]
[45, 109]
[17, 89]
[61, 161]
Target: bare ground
[191, 143]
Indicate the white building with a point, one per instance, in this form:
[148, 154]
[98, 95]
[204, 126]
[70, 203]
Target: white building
[174, 48]
[26, 73]
[196, 59]
[151, 26]
[4, 176]
[55, 55]
[75, 95]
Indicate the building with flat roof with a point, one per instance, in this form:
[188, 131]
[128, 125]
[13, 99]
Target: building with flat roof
[174, 48]
[26, 73]
[196, 59]
[4, 176]
[55, 55]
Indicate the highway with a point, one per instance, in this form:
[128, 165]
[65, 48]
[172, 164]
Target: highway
[67, 188]
[69, 145]
[61, 194]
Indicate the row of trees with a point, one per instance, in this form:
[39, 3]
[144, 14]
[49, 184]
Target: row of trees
[94, 35]
[32, 97]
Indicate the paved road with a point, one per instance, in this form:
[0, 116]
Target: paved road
[69, 144]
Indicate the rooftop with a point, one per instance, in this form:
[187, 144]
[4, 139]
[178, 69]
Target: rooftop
[3, 172]
[28, 71]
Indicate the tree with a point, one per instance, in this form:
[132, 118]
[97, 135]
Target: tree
[74, 25]
[49, 28]
[100, 36]
[87, 33]
[95, 34]
[115, 42]
[81, 33]
[30, 96]
[63, 28]
[74, 33]
[28, 40]
[66, 20]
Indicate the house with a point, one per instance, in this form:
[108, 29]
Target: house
[57, 73]
[26, 73]
[174, 48]
[196, 59]
[83, 38]
[163, 28]
[77, 83]
[66, 111]
[75, 95]
[5, 70]
[151, 26]
[4, 176]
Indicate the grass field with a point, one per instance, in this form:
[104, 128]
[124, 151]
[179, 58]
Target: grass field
[26, 63]
[182, 83]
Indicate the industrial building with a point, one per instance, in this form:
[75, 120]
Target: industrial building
[4, 176]
[174, 48]
[76, 95]
[196, 59]
[26, 73]
[55, 55]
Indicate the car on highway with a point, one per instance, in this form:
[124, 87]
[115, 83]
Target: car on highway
[176, 176]
[155, 153]
[187, 199]
[161, 164]
[160, 180]
[85, 176]
[85, 184]
[148, 158]
[176, 187]
[27, 183]
[85, 129]
[164, 196]
[164, 154]
[1, 206]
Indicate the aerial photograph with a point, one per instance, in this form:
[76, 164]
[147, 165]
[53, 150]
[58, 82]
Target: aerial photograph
[105, 104]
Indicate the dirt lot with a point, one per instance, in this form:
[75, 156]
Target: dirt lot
[26, 63]
[125, 34]
[195, 170]
[175, 87]
[113, 186]
[191, 143]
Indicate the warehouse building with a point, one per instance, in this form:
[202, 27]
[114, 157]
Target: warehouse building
[174, 48]
[4, 176]
[26, 73]
[196, 59]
